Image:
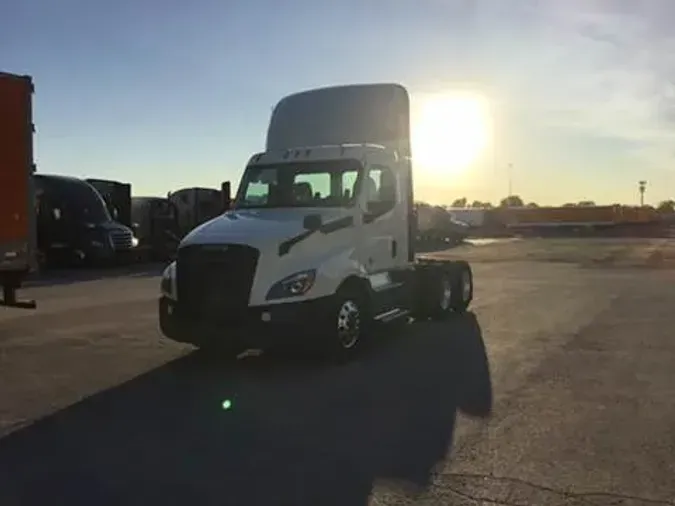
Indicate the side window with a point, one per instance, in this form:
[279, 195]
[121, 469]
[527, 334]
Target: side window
[380, 188]
[260, 188]
[348, 184]
[257, 193]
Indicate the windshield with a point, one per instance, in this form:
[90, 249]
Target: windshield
[299, 184]
[87, 204]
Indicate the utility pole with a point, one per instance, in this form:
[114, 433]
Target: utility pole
[642, 186]
[510, 178]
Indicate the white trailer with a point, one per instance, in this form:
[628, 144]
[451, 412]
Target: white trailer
[318, 245]
[474, 218]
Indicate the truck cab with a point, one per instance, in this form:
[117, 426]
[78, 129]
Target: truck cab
[74, 224]
[195, 206]
[155, 225]
[319, 242]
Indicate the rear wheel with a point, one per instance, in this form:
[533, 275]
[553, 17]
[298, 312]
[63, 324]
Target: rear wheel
[443, 294]
[461, 286]
[443, 289]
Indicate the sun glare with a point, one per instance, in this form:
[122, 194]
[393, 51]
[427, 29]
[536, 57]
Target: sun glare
[450, 132]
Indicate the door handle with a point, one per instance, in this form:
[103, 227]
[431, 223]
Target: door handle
[394, 248]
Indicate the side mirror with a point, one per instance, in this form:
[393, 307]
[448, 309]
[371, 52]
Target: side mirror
[226, 195]
[312, 222]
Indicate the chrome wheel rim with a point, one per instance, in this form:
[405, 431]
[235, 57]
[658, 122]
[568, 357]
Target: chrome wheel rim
[348, 324]
[446, 293]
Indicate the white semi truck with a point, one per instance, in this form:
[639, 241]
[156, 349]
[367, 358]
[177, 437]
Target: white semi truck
[318, 244]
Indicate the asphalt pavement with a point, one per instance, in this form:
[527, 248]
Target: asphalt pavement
[556, 390]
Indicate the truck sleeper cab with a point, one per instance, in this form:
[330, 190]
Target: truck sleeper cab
[317, 248]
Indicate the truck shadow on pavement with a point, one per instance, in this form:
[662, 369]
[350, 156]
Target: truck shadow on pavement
[261, 431]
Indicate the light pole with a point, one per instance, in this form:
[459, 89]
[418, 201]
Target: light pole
[509, 174]
[642, 186]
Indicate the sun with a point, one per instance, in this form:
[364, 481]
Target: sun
[450, 131]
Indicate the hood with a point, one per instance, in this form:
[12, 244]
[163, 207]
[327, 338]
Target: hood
[258, 226]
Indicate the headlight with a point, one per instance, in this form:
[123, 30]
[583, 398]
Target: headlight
[166, 285]
[134, 242]
[293, 286]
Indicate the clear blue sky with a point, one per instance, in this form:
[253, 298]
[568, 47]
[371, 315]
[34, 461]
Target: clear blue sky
[173, 94]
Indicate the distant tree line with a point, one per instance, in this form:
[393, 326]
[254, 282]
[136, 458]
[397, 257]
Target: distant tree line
[667, 206]
[510, 201]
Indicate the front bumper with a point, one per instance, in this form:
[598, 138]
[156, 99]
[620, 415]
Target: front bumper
[285, 324]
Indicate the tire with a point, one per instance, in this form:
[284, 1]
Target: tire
[441, 303]
[347, 324]
[461, 277]
[441, 290]
[430, 296]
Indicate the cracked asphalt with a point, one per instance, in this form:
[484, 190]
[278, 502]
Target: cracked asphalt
[557, 389]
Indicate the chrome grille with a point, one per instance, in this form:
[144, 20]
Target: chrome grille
[121, 240]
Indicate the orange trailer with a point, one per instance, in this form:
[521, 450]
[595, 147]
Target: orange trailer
[17, 205]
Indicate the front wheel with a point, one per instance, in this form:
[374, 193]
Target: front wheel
[346, 325]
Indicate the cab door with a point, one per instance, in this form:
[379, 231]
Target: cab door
[380, 220]
[383, 230]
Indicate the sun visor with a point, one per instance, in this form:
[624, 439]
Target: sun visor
[352, 114]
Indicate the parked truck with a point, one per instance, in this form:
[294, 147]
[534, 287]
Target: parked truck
[155, 225]
[74, 224]
[17, 207]
[195, 206]
[318, 246]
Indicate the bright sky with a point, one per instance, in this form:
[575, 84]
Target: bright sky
[577, 94]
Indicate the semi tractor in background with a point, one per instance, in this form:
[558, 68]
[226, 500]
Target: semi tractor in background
[195, 206]
[319, 244]
[17, 205]
[74, 225]
[155, 225]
